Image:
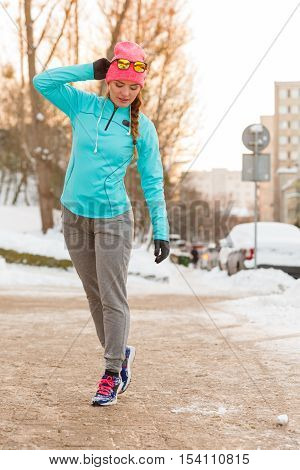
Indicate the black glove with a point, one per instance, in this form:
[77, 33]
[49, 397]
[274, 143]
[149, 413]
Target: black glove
[164, 246]
[101, 67]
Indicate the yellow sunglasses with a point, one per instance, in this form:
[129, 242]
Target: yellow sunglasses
[124, 64]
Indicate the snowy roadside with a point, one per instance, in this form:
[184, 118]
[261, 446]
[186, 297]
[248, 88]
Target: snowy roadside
[165, 278]
[268, 297]
[21, 231]
[276, 314]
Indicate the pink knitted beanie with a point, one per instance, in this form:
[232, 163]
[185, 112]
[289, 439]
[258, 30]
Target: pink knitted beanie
[131, 51]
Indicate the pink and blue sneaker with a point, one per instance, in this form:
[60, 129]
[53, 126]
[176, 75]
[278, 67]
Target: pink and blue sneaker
[108, 388]
[126, 368]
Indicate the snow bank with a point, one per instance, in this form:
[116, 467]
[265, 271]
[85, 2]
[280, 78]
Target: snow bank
[255, 282]
[15, 275]
[278, 314]
[292, 295]
[21, 230]
[51, 244]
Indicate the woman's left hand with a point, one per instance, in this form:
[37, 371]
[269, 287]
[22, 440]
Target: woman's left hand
[101, 67]
[161, 251]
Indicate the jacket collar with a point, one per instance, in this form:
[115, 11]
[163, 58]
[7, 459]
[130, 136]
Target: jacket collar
[120, 110]
[107, 109]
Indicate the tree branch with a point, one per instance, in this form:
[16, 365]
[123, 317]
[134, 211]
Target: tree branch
[46, 22]
[67, 12]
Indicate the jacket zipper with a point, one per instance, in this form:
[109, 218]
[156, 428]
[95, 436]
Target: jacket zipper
[111, 118]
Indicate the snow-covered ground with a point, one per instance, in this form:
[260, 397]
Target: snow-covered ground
[20, 230]
[268, 297]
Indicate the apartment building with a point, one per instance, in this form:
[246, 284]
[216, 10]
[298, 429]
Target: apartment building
[223, 185]
[265, 190]
[286, 146]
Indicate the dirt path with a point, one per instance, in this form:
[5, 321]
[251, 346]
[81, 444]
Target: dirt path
[189, 390]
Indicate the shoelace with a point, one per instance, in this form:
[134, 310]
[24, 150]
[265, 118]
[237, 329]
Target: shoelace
[105, 385]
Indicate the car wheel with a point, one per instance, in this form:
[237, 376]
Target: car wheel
[227, 269]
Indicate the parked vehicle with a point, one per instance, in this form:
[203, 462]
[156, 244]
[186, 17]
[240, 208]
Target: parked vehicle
[179, 253]
[173, 238]
[278, 246]
[225, 246]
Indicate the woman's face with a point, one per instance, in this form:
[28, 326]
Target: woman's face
[123, 89]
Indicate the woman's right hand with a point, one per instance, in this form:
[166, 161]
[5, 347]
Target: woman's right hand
[101, 67]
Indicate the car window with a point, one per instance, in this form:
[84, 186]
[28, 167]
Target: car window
[229, 242]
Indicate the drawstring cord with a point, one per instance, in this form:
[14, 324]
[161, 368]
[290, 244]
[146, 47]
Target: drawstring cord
[128, 133]
[103, 106]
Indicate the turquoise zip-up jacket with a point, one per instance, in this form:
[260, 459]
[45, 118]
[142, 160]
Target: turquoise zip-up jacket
[102, 148]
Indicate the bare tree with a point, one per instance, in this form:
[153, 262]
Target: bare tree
[114, 13]
[21, 114]
[168, 96]
[43, 162]
[161, 28]
[76, 32]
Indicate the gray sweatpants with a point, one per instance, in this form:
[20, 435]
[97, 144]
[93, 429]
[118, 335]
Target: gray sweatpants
[100, 250]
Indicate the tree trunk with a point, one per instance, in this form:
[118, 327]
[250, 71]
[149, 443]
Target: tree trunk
[149, 237]
[2, 180]
[19, 186]
[7, 191]
[21, 120]
[76, 33]
[43, 167]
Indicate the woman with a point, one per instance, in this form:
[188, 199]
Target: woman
[96, 210]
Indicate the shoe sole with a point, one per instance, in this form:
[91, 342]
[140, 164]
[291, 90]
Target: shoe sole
[130, 362]
[95, 403]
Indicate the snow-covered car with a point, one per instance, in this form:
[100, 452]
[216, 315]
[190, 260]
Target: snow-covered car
[278, 246]
[224, 251]
[174, 238]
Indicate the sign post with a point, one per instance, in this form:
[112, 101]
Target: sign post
[256, 137]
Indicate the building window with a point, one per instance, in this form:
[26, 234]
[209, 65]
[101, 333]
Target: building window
[283, 139]
[295, 139]
[283, 155]
[295, 109]
[295, 93]
[283, 109]
[283, 124]
[295, 124]
[295, 155]
[283, 93]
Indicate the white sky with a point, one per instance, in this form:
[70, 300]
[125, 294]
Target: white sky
[230, 38]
